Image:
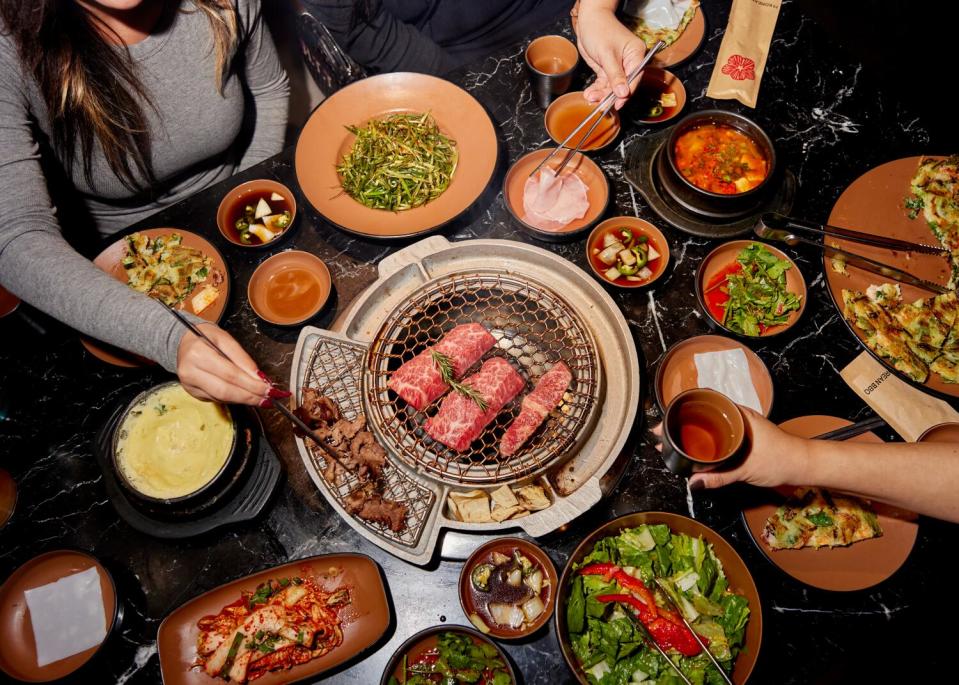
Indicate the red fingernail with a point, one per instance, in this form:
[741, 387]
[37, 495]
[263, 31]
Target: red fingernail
[265, 402]
[278, 394]
[264, 377]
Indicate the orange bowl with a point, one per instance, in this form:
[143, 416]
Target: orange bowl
[636, 225]
[244, 194]
[597, 192]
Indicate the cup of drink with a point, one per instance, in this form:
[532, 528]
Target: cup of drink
[551, 61]
[702, 430]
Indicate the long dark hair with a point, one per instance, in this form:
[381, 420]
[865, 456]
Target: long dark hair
[91, 89]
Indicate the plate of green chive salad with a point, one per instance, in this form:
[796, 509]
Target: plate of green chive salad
[396, 155]
[448, 655]
[751, 289]
[634, 580]
[399, 162]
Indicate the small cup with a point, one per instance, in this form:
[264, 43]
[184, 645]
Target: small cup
[702, 430]
[551, 61]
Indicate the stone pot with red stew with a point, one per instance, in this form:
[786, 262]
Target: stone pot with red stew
[716, 163]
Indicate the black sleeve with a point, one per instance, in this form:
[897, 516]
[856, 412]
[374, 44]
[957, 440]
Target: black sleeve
[381, 43]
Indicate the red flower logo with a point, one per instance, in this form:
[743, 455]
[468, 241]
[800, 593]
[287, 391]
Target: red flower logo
[740, 68]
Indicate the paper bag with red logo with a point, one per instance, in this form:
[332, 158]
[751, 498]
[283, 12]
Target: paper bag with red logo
[742, 54]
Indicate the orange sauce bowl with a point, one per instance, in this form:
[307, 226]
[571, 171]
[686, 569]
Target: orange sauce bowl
[249, 193]
[566, 113]
[289, 288]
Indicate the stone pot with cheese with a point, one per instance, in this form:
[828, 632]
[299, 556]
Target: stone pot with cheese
[172, 448]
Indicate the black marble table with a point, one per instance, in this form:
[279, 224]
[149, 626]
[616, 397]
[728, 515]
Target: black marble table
[830, 121]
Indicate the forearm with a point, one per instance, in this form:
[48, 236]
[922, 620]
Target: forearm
[43, 270]
[920, 477]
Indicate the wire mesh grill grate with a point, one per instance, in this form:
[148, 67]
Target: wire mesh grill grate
[534, 328]
[335, 367]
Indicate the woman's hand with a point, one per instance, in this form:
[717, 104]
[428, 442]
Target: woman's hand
[774, 458]
[609, 48]
[206, 375]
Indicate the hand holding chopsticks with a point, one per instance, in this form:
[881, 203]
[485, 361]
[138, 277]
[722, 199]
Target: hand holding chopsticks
[274, 394]
[602, 108]
[213, 366]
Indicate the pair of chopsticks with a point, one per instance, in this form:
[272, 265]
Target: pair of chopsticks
[279, 406]
[602, 108]
[781, 222]
[852, 430]
[651, 640]
[772, 226]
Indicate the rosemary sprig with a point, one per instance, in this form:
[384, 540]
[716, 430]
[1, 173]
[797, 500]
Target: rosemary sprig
[445, 366]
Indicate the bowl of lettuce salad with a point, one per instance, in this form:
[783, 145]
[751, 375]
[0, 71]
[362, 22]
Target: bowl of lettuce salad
[619, 567]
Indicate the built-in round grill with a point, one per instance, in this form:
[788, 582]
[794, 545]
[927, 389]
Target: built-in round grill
[534, 328]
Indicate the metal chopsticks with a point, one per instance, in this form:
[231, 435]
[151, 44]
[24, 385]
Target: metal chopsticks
[649, 638]
[778, 221]
[852, 430]
[279, 406]
[722, 671]
[603, 105]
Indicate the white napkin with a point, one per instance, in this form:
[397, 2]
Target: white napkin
[728, 372]
[67, 616]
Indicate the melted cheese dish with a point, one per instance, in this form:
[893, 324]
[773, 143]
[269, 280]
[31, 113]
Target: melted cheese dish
[171, 444]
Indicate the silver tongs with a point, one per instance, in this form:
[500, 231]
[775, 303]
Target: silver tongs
[641, 629]
[722, 671]
[851, 258]
[787, 223]
[603, 108]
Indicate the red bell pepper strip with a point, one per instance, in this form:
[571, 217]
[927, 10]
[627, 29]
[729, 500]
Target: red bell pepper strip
[625, 580]
[667, 634]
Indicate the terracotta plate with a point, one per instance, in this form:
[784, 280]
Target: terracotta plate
[677, 371]
[597, 192]
[686, 45]
[109, 261]
[855, 567]
[506, 546]
[324, 140]
[723, 256]
[18, 651]
[289, 288]
[942, 432]
[874, 203]
[365, 620]
[740, 581]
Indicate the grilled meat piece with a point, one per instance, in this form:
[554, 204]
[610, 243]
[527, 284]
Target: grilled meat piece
[316, 409]
[370, 505]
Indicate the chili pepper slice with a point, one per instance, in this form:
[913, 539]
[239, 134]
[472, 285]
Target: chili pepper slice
[668, 635]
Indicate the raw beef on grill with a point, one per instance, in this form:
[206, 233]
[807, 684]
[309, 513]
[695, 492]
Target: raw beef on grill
[545, 397]
[460, 420]
[419, 382]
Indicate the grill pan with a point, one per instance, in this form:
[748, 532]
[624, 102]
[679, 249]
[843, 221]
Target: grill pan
[514, 290]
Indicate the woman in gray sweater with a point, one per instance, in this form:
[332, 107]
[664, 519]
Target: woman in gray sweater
[132, 105]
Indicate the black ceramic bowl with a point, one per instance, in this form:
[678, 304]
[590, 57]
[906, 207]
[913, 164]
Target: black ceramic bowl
[428, 637]
[705, 202]
[232, 471]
